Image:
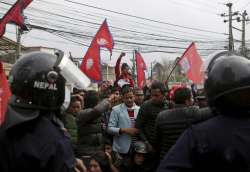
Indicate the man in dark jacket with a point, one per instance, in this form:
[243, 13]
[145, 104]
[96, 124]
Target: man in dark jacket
[171, 123]
[149, 111]
[147, 115]
[221, 143]
[89, 122]
[69, 119]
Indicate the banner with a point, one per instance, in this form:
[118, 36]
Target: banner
[4, 93]
[140, 68]
[14, 15]
[91, 61]
[191, 64]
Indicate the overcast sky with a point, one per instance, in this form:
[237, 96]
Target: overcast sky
[153, 17]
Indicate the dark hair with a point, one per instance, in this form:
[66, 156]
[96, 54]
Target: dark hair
[103, 161]
[91, 99]
[74, 99]
[181, 95]
[158, 85]
[77, 91]
[114, 89]
[107, 141]
[124, 65]
[126, 89]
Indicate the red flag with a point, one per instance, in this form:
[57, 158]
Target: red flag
[104, 38]
[4, 93]
[14, 15]
[91, 61]
[117, 66]
[191, 63]
[140, 67]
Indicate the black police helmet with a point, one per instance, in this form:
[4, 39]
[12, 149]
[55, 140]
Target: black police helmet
[35, 83]
[228, 84]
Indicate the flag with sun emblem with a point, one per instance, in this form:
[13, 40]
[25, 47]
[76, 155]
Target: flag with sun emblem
[91, 61]
[104, 38]
[191, 64]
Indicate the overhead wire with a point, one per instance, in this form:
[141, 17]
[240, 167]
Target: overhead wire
[88, 22]
[119, 41]
[147, 19]
[136, 43]
[144, 24]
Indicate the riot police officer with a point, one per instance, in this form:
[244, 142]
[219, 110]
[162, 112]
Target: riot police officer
[221, 143]
[32, 138]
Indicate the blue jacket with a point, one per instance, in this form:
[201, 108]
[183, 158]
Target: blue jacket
[119, 118]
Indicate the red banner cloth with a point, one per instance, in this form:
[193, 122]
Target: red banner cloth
[140, 67]
[4, 93]
[91, 61]
[191, 63]
[14, 15]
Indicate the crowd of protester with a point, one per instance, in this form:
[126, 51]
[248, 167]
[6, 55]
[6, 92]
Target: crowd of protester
[121, 128]
[134, 127]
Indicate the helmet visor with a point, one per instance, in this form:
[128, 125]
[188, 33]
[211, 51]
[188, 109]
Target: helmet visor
[72, 73]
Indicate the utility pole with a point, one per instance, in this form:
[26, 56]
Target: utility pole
[231, 40]
[18, 40]
[19, 32]
[243, 36]
[151, 67]
[230, 27]
[134, 69]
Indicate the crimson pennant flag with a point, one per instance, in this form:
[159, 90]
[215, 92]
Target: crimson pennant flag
[104, 38]
[4, 93]
[91, 61]
[191, 64]
[140, 67]
[14, 15]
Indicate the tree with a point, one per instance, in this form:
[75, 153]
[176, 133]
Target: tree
[162, 71]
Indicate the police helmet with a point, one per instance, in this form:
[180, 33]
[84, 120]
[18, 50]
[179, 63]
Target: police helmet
[36, 83]
[228, 84]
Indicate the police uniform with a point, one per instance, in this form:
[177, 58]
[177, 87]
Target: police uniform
[31, 137]
[221, 143]
[37, 145]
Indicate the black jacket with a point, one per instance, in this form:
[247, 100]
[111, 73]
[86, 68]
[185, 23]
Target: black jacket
[37, 145]
[219, 144]
[145, 120]
[170, 124]
[90, 133]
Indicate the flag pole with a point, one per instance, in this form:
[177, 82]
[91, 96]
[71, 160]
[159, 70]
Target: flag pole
[134, 69]
[177, 61]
